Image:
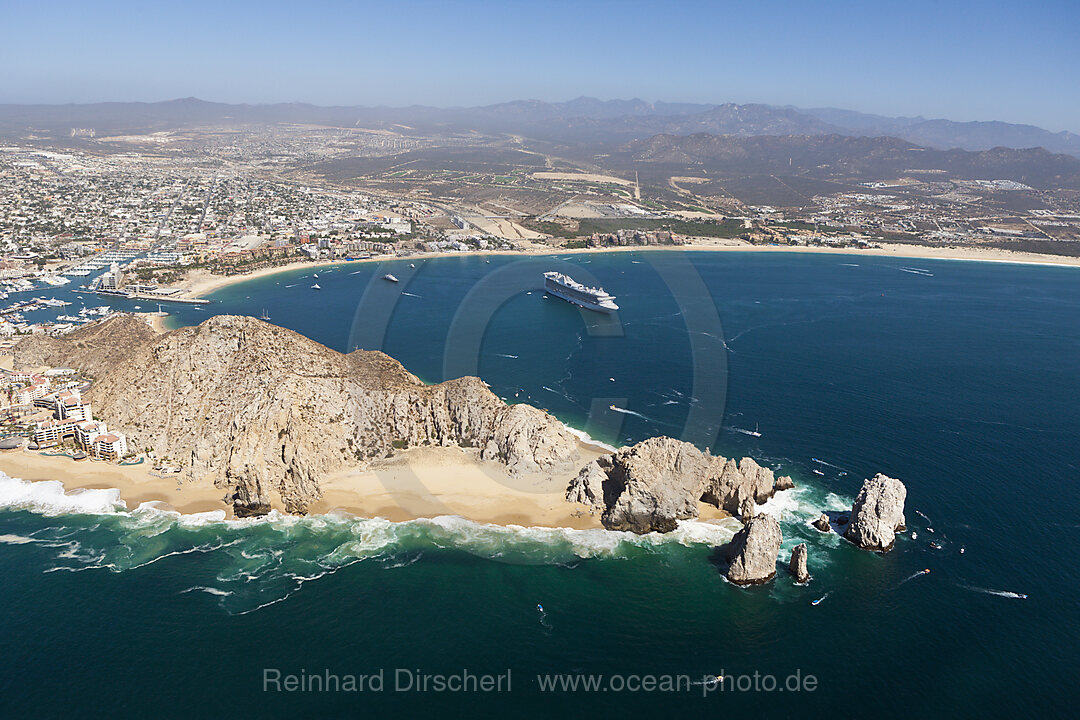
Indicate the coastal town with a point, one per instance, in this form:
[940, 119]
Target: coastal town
[140, 216]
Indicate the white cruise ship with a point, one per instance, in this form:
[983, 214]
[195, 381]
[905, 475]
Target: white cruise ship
[565, 287]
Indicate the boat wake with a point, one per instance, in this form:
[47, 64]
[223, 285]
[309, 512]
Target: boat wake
[916, 271]
[751, 433]
[624, 411]
[512, 357]
[999, 593]
[403, 292]
[829, 464]
[913, 576]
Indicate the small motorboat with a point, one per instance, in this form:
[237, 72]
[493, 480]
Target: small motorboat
[316, 286]
[390, 277]
[935, 545]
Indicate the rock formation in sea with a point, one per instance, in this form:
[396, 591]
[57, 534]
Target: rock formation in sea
[797, 566]
[753, 551]
[822, 523]
[650, 486]
[265, 413]
[878, 513]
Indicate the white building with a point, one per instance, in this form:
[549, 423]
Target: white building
[109, 446]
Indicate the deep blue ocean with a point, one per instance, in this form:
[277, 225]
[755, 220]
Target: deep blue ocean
[960, 378]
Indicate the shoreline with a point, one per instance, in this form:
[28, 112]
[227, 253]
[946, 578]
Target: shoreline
[419, 483]
[202, 283]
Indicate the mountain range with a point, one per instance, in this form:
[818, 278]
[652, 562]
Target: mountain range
[582, 120]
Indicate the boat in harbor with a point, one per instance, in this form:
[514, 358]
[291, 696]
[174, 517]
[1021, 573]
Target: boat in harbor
[316, 286]
[566, 288]
[390, 277]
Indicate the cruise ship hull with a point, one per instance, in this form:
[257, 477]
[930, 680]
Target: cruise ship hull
[553, 289]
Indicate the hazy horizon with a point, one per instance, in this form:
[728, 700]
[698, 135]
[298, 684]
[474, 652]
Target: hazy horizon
[965, 61]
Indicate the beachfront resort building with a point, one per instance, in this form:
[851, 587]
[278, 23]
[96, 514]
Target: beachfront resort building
[93, 436]
[108, 446]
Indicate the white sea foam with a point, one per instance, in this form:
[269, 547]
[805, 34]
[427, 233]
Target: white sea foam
[790, 504]
[209, 590]
[585, 437]
[264, 560]
[47, 497]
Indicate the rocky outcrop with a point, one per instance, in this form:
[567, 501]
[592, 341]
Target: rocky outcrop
[797, 566]
[822, 523]
[739, 487]
[753, 551]
[265, 412]
[588, 487]
[650, 486]
[878, 513]
[647, 487]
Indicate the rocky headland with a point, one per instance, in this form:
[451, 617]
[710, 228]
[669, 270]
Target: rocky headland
[265, 413]
[650, 486]
[272, 419]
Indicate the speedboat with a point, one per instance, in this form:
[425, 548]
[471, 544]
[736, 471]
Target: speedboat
[316, 287]
[390, 277]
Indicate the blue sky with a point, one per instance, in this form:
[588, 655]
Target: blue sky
[1013, 61]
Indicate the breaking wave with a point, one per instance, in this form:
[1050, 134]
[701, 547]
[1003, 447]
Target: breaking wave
[250, 563]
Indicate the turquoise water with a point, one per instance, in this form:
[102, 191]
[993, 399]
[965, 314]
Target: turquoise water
[960, 378]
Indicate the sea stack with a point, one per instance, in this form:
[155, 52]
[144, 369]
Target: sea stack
[878, 513]
[798, 564]
[753, 551]
[822, 523]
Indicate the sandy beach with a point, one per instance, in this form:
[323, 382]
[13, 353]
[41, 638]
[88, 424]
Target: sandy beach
[135, 483]
[417, 483]
[202, 283]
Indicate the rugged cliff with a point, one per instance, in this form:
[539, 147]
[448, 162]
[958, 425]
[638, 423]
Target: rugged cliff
[265, 412]
[94, 349]
[652, 485]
